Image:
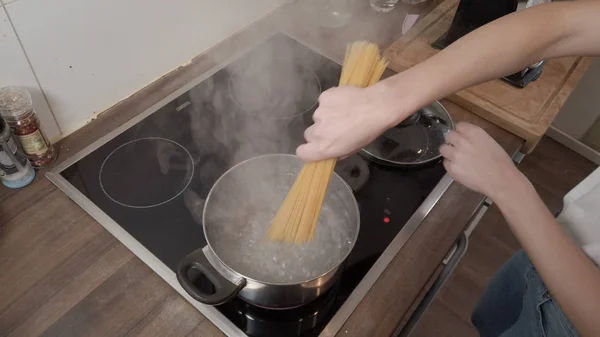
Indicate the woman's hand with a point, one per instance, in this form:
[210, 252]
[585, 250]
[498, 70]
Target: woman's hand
[475, 160]
[478, 162]
[347, 119]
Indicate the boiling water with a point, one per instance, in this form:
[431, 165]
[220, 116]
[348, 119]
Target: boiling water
[239, 214]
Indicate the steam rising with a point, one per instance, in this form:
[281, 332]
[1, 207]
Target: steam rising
[260, 104]
[270, 84]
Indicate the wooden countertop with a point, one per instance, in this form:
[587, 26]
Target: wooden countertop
[63, 274]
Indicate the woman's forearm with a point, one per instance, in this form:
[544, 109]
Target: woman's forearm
[500, 48]
[571, 277]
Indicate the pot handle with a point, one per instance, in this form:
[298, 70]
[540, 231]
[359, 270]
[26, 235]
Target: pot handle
[224, 290]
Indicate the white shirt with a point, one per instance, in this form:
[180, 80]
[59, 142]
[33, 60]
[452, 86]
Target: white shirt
[581, 215]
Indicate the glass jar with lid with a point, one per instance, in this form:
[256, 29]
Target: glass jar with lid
[16, 107]
[15, 170]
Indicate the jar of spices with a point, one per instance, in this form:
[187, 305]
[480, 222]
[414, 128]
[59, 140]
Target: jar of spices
[16, 108]
[15, 170]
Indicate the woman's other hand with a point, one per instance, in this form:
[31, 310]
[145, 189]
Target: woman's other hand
[474, 159]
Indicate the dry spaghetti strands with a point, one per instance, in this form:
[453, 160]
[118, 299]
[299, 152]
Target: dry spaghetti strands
[298, 216]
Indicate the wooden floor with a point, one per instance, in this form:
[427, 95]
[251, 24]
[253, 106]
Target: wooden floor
[554, 170]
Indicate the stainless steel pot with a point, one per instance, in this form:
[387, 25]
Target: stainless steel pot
[239, 260]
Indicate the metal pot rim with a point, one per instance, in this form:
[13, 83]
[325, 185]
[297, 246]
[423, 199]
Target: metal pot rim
[354, 202]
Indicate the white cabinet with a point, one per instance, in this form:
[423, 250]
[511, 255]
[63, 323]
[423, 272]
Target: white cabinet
[15, 70]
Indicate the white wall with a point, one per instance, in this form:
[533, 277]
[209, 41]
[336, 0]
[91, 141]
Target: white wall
[15, 70]
[578, 115]
[88, 55]
[582, 108]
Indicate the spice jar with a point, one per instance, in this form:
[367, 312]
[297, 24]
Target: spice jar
[17, 109]
[15, 170]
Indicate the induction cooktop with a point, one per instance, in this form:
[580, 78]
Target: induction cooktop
[147, 181]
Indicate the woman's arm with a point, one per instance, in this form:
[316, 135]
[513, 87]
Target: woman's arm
[502, 47]
[350, 118]
[478, 162]
[571, 277]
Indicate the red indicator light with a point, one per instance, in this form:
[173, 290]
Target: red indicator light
[386, 220]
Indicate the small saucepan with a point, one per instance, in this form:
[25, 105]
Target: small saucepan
[415, 142]
[238, 260]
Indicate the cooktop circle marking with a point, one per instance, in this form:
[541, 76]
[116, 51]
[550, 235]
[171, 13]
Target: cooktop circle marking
[273, 83]
[187, 179]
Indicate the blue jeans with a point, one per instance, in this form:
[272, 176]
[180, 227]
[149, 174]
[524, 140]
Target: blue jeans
[516, 303]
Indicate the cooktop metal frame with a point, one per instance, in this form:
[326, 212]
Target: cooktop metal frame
[210, 312]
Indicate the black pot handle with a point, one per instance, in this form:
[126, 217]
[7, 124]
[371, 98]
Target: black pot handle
[224, 289]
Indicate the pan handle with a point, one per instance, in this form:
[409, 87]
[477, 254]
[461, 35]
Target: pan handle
[196, 266]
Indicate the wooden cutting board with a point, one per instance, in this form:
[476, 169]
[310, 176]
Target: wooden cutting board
[526, 112]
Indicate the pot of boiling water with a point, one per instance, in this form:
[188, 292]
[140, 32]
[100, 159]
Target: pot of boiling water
[239, 260]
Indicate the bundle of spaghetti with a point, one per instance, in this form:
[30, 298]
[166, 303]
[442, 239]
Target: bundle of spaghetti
[298, 216]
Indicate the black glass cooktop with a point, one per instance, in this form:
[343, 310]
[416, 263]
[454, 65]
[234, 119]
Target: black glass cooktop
[153, 178]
